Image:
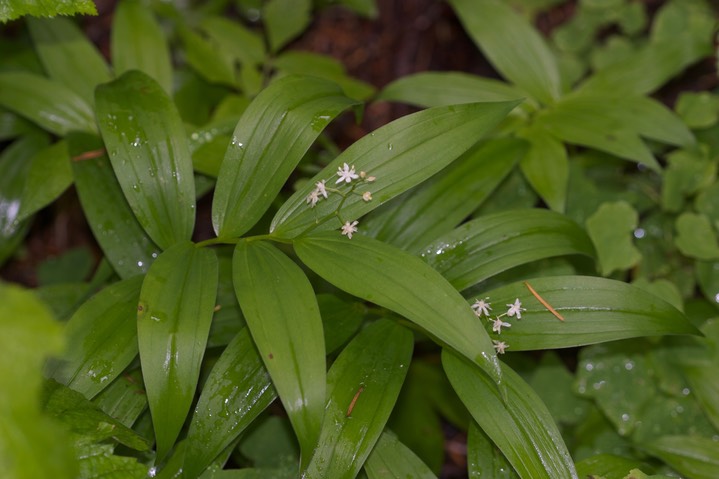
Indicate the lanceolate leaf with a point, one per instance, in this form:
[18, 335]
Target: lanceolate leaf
[362, 386]
[391, 459]
[593, 310]
[51, 105]
[695, 457]
[546, 167]
[281, 311]
[122, 239]
[271, 138]
[484, 459]
[490, 244]
[50, 174]
[520, 426]
[173, 322]
[400, 155]
[237, 390]
[148, 148]
[513, 46]
[102, 339]
[403, 283]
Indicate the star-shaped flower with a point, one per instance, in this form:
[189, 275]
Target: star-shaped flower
[498, 324]
[515, 309]
[349, 228]
[313, 198]
[481, 307]
[321, 189]
[346, 174]
[500, 346]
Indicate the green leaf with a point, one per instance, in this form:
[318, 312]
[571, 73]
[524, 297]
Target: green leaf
[340, 320]
[49, 175]
[546, 167]
[272, 136]
[695, 457]
[235, 40]
[148, 148]
[204, 57]
[68, 56]
[41, 8]
[514, 47]
[284, 20]
[173, 322]
[31, 445]
[696, 238]
[362, 386]
[553, 384]
[125, 244]
[698, 109]
[488, 245]
[102, 339]
[484, 460]
[404, 284]
[430, 89]
[400, 155]
[279, 306]
[689, 172]
[611, 228]
[390, 459]
[441, 203]
[594, 310]
[608, 466]
[49, 104]
[237, 390]
[705, 385]
[520, 426]
[124, 399]
[138, 43]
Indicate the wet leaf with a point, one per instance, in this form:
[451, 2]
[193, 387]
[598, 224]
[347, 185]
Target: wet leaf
[124, 399]
[611, 228]
[391, 459]
[484, 460]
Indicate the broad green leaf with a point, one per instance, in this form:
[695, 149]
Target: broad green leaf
[148, 148]
[237, 390]
[430, 89]
[284, 20]
[203, 56]
[12, 125]
[519, 425]
[40, 8]
[488, 245]
[662, 288]
[436, 206]
[553, 384]
[404, 284]
[49, 175]
[390, 459]
[696, 238]
[68, 56]
[98, 461]
[484, 460]
[689, 172]
[594, 310]
[608, 466]
[705, 385]
[514, 47]
[698, 109]
[695, 457]
[173, 322]
[611, 228]
[271, 138]
[400, 155]
[235, 40]
[546, 167]
[49, 104]
[124, 399]
[125, 244]
[102, 339]
[281, 311]
[340, 320]
[138, 43]
[362, 386]
[31, 445]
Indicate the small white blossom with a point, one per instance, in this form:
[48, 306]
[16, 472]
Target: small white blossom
[370, 179]
[321, 189]
[498, 324]
[346, 174]
[515, 308]
[313, 198]
[500, 346]
[481, 307]
[349, 228]
[367, 196]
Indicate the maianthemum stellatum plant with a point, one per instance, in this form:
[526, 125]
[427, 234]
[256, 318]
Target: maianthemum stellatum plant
[349, 299]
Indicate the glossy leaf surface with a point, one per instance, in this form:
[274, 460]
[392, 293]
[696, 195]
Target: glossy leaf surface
[484, 459]
[148, 148]
[390, 459]
[271, 138]
[594, 310]
[400, 155]
[173, 322]
[521, 426]
[362, 386]
[279, 306]
[404, 284]
[49, 175]
[490, 244]
[237, 390]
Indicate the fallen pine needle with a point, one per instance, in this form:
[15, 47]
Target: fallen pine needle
[544, 303]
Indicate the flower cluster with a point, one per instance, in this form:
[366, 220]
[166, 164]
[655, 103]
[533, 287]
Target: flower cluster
[482, 307]
[347, 175]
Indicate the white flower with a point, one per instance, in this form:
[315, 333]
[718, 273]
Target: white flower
[349, 228]
[498, 324]
[500, 346]
[346, 174]
[313, 198]
[481, 307]
[321, 188]
[367, 196]
[515, 308]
